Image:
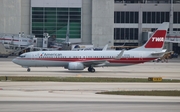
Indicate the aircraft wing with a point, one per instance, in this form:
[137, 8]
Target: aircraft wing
[101, 62]
[95, 62]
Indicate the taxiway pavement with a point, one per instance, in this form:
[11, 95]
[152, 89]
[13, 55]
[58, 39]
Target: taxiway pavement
[73, 97]
[80, 97]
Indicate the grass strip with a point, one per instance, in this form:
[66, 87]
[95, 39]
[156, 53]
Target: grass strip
[79, 79]
[143, 93]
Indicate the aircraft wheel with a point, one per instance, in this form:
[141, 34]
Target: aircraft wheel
[28, 69]
[91, 69]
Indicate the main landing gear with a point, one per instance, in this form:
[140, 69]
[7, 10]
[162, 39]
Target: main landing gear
[28, 69]
[91, 69]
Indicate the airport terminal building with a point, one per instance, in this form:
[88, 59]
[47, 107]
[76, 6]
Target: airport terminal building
[97, 22]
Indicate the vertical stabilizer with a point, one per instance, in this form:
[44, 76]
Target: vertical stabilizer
[156, 41]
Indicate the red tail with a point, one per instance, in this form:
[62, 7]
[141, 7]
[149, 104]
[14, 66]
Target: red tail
[157, 40]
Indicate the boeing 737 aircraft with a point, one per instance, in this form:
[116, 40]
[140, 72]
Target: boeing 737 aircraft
[79, 60]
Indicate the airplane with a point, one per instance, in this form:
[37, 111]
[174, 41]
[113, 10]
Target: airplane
[79, 60]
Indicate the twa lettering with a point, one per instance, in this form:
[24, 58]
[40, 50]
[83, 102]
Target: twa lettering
[157, 39]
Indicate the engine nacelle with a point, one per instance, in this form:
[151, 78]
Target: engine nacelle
[75, 66]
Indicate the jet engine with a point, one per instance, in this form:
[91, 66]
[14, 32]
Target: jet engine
[75, 66]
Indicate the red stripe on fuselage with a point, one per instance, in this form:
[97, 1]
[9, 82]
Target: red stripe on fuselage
[122, 60]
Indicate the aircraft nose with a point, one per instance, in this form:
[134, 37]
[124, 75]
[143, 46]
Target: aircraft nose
[15, 61]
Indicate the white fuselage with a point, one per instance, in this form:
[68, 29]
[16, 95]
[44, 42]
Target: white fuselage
[62, 58]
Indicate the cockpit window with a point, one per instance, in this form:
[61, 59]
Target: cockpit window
[22, 55]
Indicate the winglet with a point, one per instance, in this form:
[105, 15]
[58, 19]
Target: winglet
[120, 54]
[105, 47]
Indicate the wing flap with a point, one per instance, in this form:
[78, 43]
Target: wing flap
[95, 62]
[102, 62]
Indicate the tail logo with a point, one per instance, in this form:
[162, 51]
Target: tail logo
[157, 39]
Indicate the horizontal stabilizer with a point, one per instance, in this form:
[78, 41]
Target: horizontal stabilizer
[159, 53]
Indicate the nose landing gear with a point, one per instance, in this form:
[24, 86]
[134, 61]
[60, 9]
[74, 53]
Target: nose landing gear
[28, 70]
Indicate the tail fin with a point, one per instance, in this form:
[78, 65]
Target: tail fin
[156, 41]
